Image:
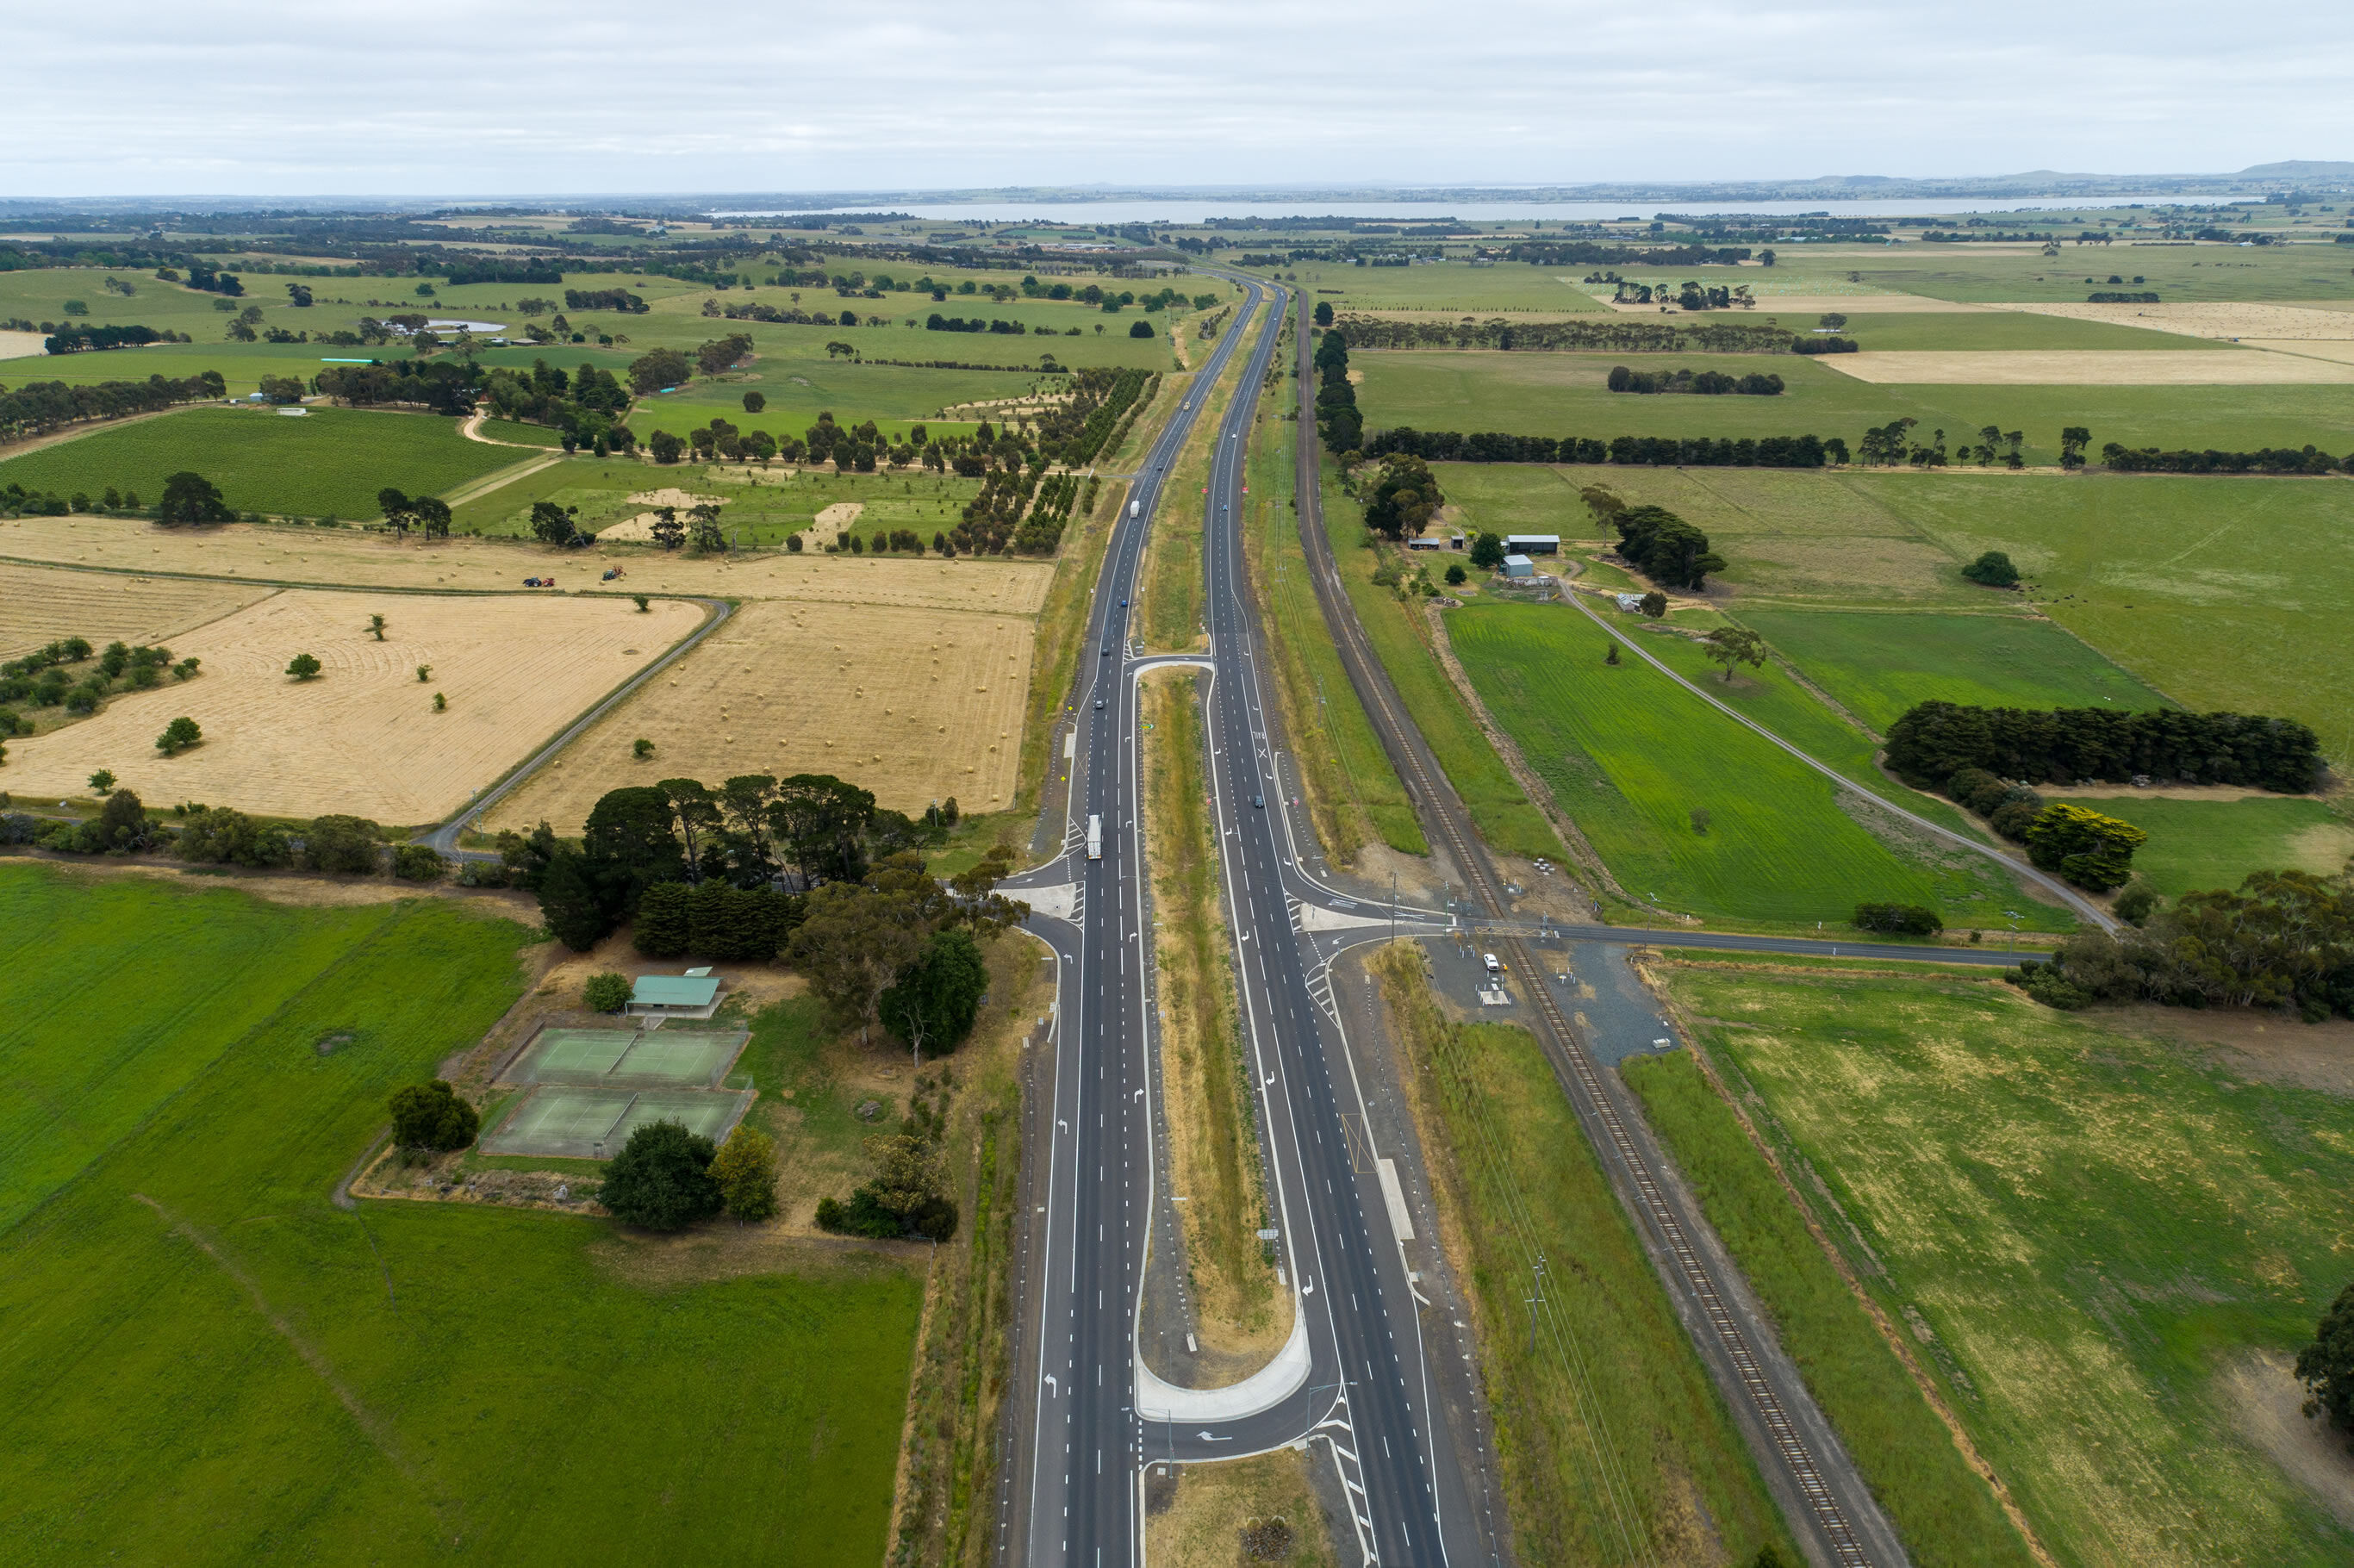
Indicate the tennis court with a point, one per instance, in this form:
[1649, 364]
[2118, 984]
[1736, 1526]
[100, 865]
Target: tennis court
[577, 1122]
[627, 1058]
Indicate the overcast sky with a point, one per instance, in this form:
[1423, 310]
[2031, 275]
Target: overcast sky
[526, 96]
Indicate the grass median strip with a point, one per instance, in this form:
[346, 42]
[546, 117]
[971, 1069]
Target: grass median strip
[1213, 1143]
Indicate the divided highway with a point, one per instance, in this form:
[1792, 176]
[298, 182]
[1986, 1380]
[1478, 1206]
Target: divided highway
[1353, 1380]
[1356, 1382]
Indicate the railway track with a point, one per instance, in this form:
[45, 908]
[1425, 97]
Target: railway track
[1836, 1536]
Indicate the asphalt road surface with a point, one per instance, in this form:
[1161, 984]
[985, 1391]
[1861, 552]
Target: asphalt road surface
[1353, 1381]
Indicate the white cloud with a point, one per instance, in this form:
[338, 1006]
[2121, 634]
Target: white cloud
[514, 96]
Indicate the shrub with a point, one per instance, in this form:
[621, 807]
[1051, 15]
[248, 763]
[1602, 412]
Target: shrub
[1978, 790]
[1993, 569]
[607, 992]
[863, 1216]
[431, 1116]
[221, 836]
[1899, 919]
[662, 1179]
[343, 843]
[2016, 814]
[746, 1169]
[937, 998]
[178, 735]
[1141, 329]
[2136, 903]
[2325, 1366]
[302, 667]
[2091, 851]
[419, 863]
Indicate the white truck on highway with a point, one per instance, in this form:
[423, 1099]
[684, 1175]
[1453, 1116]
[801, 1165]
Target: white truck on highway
[1135, 508]
[1095, 838]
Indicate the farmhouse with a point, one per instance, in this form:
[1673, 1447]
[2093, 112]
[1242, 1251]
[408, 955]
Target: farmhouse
[694, 994]
[1632, 603]
[1534, 544]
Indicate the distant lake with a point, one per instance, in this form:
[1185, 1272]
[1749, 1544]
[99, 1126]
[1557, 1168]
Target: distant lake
[1159, 210]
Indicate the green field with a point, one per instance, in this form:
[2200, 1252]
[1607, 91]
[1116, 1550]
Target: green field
[1970, 274]
[203, 1360]
[1451, 286]
[2221, 593]
[2085, 1227]
[329, 462]
[2200, 845]
[1878, 665]
[1947, 1516]
[1564, 395]
[2224, 594]
[1629, 757]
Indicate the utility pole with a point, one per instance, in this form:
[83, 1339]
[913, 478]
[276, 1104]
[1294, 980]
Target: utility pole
[1394, 906]
[1536, 1300]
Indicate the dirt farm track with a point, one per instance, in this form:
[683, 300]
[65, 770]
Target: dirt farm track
[362, 737]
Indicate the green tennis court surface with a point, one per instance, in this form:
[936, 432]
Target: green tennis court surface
[576, 1122]
[628, 1057]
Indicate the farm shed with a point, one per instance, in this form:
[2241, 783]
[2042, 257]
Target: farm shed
[1534, 544]
[1519, 566]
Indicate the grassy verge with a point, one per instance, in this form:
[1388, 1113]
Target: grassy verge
[948, 1472]
[1945, 1511]
[1614, 1447]
[1213, 1515]
[1352, 792]
[1400, 636]
[1062, 622]
[1213, 1136]
[2096, 1233]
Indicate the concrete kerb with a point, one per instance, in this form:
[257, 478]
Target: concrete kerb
[1263, 1390]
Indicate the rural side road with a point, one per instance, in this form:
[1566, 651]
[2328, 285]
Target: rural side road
[445, 837]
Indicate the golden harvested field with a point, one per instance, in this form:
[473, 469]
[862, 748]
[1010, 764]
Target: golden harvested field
[362, 737]
[2089, 367]
[41, 604]
[2211, 318]
[340, 558]
[911, 704]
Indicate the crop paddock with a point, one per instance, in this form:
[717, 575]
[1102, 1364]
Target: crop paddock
[362, 737]
[912, 704]
[40, 605]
